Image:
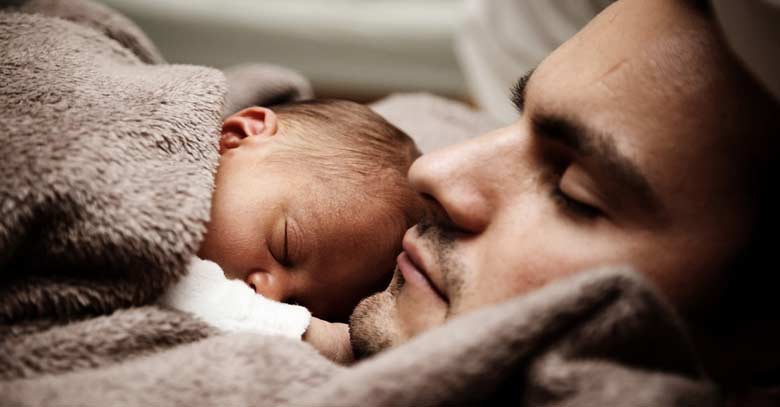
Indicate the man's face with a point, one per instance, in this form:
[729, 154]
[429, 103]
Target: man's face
[281, 228]
[624, 154]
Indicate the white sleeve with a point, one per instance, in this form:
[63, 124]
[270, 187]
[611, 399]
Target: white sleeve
[231, 305]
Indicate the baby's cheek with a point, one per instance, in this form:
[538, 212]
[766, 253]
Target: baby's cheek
[228, 254]
[207, 248]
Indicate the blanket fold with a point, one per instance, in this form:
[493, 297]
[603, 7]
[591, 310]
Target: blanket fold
[263, 85]
[550, 348]
[107, 168]
[96, 16]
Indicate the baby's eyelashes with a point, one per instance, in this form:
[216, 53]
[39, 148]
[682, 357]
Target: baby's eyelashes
[279, 244]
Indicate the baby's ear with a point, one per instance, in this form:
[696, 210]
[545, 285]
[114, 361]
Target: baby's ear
[248, 125]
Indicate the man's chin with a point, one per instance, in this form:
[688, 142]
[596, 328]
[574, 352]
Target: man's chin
[373, 326]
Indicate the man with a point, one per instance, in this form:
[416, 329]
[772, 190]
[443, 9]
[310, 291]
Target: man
[642, 141]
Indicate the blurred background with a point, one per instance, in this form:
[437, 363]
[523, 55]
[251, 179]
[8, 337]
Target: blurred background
[356, 49]
[468, 50]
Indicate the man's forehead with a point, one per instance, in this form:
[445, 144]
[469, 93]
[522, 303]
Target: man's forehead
[655, 43]
[635, 67]
[653, 95]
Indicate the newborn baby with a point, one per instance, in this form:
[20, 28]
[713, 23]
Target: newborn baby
[310, 206]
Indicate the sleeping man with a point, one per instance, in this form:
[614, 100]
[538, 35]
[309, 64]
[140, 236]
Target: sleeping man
[642, 141]
[310, 205]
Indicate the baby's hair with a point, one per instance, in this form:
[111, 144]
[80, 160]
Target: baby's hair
[364, 138]
[350, 143]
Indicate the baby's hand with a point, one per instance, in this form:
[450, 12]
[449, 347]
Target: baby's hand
[330, 339]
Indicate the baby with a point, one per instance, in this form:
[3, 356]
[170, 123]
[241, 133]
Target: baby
[310, 206]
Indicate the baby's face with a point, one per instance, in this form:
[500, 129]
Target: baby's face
[295, 238]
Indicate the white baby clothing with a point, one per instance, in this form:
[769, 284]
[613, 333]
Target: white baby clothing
[231, 305]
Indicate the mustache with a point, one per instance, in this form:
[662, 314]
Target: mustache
[436, 225]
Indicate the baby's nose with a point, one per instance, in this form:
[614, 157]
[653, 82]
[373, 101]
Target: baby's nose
[266, 284]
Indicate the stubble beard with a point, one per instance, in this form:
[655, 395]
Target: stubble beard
[372, 325]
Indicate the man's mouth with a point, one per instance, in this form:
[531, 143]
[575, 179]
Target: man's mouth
[412, 266]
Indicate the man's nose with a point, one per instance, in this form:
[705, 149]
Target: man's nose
[459, 179]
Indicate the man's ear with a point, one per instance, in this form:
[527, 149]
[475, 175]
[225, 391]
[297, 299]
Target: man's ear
[247, 125]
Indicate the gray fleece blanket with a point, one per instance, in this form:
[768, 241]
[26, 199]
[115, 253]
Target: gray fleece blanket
[107, 157]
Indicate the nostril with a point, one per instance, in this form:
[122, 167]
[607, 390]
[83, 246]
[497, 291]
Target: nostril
[255, 280]
[437, 215]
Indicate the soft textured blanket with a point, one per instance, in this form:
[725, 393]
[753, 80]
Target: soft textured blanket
[599, 339]
[106, 172]
[107, 158]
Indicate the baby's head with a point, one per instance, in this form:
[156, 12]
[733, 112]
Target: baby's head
[311, 203]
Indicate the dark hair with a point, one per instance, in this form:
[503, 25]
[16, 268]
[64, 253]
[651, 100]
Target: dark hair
[349, 142]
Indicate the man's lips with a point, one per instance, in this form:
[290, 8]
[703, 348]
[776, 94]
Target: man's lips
[412, 266]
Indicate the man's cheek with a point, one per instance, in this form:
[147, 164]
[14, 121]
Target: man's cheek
[499, 273]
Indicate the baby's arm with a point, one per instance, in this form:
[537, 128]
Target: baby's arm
[231, 305]
[331, 339]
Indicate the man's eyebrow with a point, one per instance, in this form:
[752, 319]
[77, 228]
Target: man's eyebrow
[517, 93]
[601, 148]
